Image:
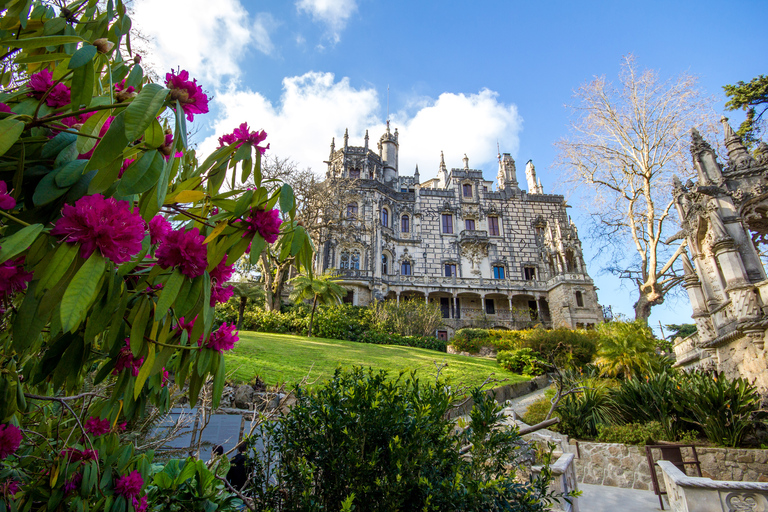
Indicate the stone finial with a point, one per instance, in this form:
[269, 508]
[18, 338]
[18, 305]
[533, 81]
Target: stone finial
[416, 173]
[442, 162]
[676, 183]
[366, 140]
[333, 145]
[698, 143]
[738, 155]
[727, 130]
[466, 161]
[346, 138]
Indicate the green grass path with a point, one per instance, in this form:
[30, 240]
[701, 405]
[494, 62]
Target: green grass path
[282, 358]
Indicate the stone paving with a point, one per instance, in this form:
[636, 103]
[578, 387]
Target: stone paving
[601, 498]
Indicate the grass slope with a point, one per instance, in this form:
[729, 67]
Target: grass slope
[282, 358]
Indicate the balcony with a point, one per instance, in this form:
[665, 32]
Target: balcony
[347, 274]
[473, 235]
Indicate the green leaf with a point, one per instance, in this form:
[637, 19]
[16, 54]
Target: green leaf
[92, 126]
[81, 291]
[181, 125]
[10, 131]
[46, 57]
[257, 247]
[135, 77]
[27, 325]
[298, 240]
[83, 80]
[140, 326]
[142, 175]
[104, 178]
[218, 381]
[143, 110]
[287, 200]
[58, 266]
[169, 293]
[204, 361]
[54, 26]
[111, 146]
[82, 56]
[69, 174]
[243, 203]
[18, 242]
[154, 136]
[46, 190]
[57, 144]
[40, 42]
[144, 372]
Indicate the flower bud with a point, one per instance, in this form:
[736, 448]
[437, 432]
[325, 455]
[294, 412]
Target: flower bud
[103, 45]
[137, 59]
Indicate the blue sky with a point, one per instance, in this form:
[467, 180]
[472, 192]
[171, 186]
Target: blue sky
[462, 76]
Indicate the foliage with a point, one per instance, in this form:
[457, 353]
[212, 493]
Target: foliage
[469, 340]
[632, 433]
[343, 322]
[749, 97]
[184, 485]
[627, 142]
[523, 360]
[538, 410]
[96, 163]
[383, 338]
[581, 414]
[410, 317]
[322, 289]
[626, 349]
[563, 346]
[681, 330]
[725, 409]
[383, 444]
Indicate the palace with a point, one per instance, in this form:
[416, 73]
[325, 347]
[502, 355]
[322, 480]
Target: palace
[496, 257]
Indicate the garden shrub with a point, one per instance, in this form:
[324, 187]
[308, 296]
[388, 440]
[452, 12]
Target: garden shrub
[188, 484]
[580, 414]
[632, 433]
[537, 411]
[409, 317]
[383, 338]
[524, 361]
[342, 322]
[564, 346]
[502, 339]
[469, 340]
[376, 443]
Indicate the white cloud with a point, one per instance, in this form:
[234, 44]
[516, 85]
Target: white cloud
[332, 13]
[315, 107]
[206, 38]
[262, 25]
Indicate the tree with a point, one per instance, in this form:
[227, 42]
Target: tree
[625, 348]
[322, 288]
[409, 317]
[626, 144]
[749, 97]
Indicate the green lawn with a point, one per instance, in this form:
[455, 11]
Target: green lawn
[281, 358]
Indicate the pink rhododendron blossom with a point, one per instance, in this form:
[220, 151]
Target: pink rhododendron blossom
[97, 427]
[6, 201]
[129, 486]
[73, 483]
[123, 93]
[9, 488]
[72, 122]
[223, 339]
[186, 325]
[5, 108]
[190, 95]
[220, 275]
[125, 360]
[13, 277]
[241, 135]
[158, 229]
[10, 440]
[140, 505]
[41, 82]
[59, 96]
[102, 132]
[102, 223]
[265, 223]
[126, 163]
[167, 147]
[185, 250]
[123, 426]
[75, 455]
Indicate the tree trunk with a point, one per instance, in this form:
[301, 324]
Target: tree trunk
[241, 311]
[645, 303]
[312, 316]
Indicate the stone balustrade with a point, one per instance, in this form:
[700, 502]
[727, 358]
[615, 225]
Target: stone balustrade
[564, 481]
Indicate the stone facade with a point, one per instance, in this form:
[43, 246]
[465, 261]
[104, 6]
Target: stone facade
[503, 258]
[723, 216]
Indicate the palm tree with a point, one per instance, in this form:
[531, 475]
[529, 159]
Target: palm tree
[625, 348]
[323, 288]
[246, 290]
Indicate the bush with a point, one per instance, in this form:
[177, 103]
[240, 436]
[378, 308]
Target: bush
[564, 346]
[632, 433]
[523, 360]
[410, 317]
[375, 443]
[342, 322]
[501, 339]
[469, 340]
[537, 411]
[581, 414]
[382, 338]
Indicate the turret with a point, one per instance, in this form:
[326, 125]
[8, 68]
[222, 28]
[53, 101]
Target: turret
[507, 176]
[388, 147]
[442, 173]
[530, 177]
[737, 152]
[704, 160]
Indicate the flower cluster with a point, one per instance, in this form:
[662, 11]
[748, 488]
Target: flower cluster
[241, 135]
[220, 275]
[73, 483]
[13, 277]
[9, 488]
[7, 202]
[190, 95]
[185, 250]
[185, 325]
[102, 223]
[10, 440]
[123, 93]
[75, 455]
[97, 427]
[266, 223]
[167, 147]
[158, 229]
[125, 360]
[129, 486]
[223, 339]
[41, 82]
[5, 108]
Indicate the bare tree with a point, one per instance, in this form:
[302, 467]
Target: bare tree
[626, 142]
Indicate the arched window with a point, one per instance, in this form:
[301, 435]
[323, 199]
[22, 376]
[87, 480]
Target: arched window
[405, 268]
[570, 261]
[351, 210]
[385, 217]
[355, 262]
[344, 263]
[384, 264]
[405, 224]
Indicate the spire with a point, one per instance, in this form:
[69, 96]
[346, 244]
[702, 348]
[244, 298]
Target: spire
[346, 138]
[333, 145]
[466, 161]
[540, 187]
[416, 174]
[442, 162]
[366, 141]
[442, 173]
[737, 152]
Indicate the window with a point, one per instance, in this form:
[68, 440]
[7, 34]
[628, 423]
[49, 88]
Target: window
[344, 264]
[529, 273]
[579, 299]
[490, 307]
[403, 189]
[351, 210]
[385, 217]
[404, 224]
[405, 268]
[355, 261]
[354, 173]
[448, 223]
[469, 224]
[493, 226]
[467, 190]
[450, 269]
[384, 264]
[533, 310]
[445, 307]
[498, 272]
[349, 298]
[485, 189]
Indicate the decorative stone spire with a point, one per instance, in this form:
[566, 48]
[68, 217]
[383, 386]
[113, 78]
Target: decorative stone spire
[738, 155]
[466, 161]
[416, 174]
[333, 145]
[442, 173]
[534, 187]
[507, 176]
[704, 160]
[366, 141]
[346, 138]
[442, 162]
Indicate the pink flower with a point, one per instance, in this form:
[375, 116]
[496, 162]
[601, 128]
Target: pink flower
[72, 121]
[265, 223]
[122, 92]
[9, 488]
[167, 147]
[140, 506]
[125, 360]
[102, 223]
[59, 96]
[10, 440]
[123, 426]
[158, 229]
[223, 339]
[73, 483]
[129, 486]
[13, 277]
[102, 132]
[6, 201]
[241, 135]
[5, 108]
[186, 326]
[185, 250]
[97, 427]
[191, 96]
[126, 163]
[164, 380]
[220, 275]
[41, 82]
[75, 455]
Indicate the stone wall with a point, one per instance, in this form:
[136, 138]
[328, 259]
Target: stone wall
[621, 465]
[504, 393]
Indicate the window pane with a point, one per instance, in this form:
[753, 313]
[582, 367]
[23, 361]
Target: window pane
[493, 226]
[352, 210]
[385, 217]
[469, 224]
[467, 190]
[406, 268]
[404, 227]
[447, 223]
[384, 264]
[490, 307]
[355, 261]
